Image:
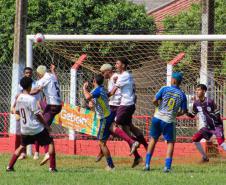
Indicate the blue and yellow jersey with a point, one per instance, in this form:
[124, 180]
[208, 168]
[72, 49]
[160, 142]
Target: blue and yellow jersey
[172, 99]
[101, 102]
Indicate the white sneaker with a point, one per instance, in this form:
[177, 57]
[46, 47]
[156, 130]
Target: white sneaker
[22, 156]
[45, 159]
[36, 156]
[135, 145]
[166, 170]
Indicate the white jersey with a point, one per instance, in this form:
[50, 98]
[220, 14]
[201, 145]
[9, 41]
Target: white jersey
[50, 88]
[34, 85]
[28, 108]
[126, 84]
[114, 100]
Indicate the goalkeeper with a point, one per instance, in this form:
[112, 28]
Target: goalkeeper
[209, 120]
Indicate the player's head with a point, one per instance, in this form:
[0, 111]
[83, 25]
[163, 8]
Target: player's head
[28, 72]
[98, 80]
[200, 90]
[41, 70]
[26, 83]
[106, 70]
[121, 64]
[177, 78]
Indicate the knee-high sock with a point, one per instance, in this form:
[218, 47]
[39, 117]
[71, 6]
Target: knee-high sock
[13, 160]
[120, 133]
[52, 161]
[200, 149]
[36, 147]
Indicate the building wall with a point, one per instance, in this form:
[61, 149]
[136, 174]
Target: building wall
[170, 9]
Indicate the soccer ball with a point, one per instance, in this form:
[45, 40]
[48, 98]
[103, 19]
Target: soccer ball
[38, 38]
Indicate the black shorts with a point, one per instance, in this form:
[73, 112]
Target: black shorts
[43, 138]
[124, 114]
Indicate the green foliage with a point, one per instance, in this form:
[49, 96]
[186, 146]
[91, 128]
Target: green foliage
[189, 22]
[74, 17]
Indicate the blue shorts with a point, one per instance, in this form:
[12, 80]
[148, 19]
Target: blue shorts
[104, 130]
[168, 130]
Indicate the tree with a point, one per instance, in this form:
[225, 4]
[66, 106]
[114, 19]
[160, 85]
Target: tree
[74, 17]
[190, 23]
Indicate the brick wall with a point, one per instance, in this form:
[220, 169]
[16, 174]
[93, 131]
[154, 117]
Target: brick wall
[171, 9]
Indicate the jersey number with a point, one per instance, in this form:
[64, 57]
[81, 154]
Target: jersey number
[57, 89]
[23, 115]
[171, 104]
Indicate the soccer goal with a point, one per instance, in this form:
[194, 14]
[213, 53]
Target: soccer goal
[201, 58]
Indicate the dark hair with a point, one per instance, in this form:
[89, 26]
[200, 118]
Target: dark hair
[28, 68]
[26, 82]
[99, 79]
[124, 61]
[202, 86]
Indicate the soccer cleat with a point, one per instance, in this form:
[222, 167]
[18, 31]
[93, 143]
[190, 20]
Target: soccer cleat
[53, 170]
[8, 169]
[36, 156]
[146, 168]
[135, 145]
[22, 156]
[136, 162]
[108, 168]
[45, 159]
[166, 170]
[99, 157]
[204, 160]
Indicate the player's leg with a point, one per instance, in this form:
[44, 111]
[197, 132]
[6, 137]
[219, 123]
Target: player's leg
[155, 132]
[139, 135]
[99, 156]
[25, 140]
[219, 133]
[128, 114]
[52, 157]
[14, 158]
[106, 152]
[49, 113]
[103, 135]
[121, 134]
[45, 139]
[137, 157]
[197, 137]
[36, 154]
[169, 133]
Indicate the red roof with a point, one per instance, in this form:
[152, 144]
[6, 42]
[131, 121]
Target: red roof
[171, 9]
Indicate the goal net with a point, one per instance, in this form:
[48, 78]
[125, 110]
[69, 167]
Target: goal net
[200, 58]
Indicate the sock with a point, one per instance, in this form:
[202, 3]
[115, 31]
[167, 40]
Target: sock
[220, 141]
[13, 160]
[136, 155]
[200, 149]
[52, 161]
[110, 162]
[120, 133]
[142, 140]
[168, 163]
[148, 160]
[223, 145]
[36, 147]
[46, 148]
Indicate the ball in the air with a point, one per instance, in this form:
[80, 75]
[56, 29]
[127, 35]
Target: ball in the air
[38, 38]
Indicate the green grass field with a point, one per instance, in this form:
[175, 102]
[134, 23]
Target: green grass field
[84, 171]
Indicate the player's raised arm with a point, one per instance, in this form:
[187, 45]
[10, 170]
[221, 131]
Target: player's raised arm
[86, 93]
